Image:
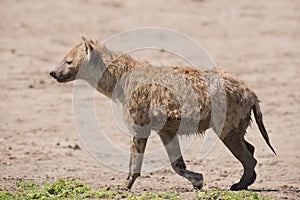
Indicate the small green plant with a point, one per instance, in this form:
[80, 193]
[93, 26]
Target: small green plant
[69, 189]
[61, 189]
[229, 195]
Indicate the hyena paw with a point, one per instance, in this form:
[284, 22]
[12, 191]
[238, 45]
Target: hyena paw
[197, 181]
[130, 181]
[237, 186]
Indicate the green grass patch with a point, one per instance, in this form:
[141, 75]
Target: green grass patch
[230, 195]
[68, 189]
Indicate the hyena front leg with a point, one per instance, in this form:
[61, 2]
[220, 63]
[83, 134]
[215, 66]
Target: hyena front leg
[137, 150]
[171, 143]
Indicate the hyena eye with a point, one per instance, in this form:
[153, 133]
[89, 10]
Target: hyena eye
[69, 62]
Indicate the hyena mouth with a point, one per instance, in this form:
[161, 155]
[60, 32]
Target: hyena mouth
[65, 79]
[62, 79]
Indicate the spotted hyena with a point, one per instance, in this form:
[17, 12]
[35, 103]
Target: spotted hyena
[106, 70]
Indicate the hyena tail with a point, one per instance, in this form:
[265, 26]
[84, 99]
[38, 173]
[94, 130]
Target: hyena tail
[261, 126]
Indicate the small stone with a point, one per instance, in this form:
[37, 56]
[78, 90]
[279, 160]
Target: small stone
[76, 147]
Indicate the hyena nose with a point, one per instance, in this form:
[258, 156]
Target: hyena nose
[52, 73]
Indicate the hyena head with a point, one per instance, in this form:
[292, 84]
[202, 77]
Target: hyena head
[81, 56]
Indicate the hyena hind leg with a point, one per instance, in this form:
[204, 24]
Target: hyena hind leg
[172, 147]
[243, 151]
[251, 149]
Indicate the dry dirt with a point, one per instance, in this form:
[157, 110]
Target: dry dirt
[256, 40]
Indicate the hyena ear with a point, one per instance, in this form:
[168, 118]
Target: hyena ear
[87, 45]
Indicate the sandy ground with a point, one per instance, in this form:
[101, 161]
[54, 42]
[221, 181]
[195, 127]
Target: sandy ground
[256, 40]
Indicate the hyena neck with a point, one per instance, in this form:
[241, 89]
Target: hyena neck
[109, 68]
